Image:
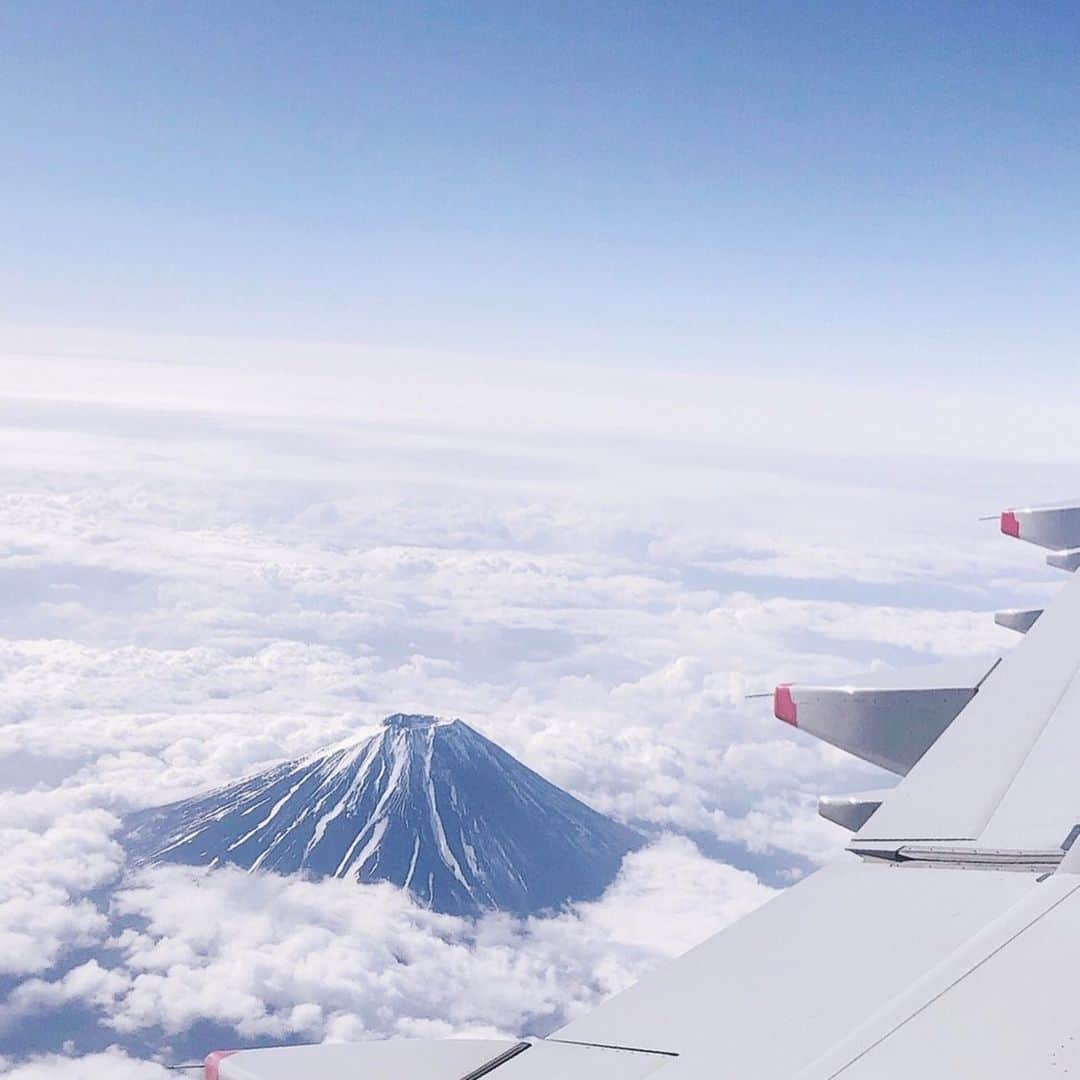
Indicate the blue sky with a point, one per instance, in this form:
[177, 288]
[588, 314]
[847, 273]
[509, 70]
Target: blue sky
[848, 188]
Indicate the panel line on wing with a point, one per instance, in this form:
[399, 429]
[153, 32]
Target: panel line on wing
[993, 668]
[611, 1046]
[495, 1062]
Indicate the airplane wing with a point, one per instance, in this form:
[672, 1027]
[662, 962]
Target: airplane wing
[946, 943]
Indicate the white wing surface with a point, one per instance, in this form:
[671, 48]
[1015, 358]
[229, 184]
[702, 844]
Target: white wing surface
[944, 944]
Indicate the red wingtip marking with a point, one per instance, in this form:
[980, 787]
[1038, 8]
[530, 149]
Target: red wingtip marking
[212, 1064]
[784, 706]
[1010, 524]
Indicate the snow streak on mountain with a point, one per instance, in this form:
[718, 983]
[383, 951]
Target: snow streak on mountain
[427, 804]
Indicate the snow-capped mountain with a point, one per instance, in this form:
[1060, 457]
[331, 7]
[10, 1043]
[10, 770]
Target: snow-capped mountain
[428, 804]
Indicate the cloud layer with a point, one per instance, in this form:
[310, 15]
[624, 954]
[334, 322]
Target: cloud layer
[191, 595]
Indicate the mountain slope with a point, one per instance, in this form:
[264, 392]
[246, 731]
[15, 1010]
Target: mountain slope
[427, 804]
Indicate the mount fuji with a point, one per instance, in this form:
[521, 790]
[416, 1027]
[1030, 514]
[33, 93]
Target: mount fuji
[428, 804]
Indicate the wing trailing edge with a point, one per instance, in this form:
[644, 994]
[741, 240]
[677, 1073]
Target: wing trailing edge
[441, 1059]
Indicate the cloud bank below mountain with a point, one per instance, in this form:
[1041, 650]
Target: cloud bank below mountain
[190, 595]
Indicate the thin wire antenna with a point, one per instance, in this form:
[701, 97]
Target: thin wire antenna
[992, 517]
[750, 697]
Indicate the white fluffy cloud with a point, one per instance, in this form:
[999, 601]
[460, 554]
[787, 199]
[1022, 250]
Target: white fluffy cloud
[189, 593]
[49, 863]
[113, 1064]
[276, 957]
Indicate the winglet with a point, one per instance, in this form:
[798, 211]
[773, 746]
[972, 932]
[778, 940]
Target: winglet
[1010, 524]
[784, 707]
[212, 1064]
